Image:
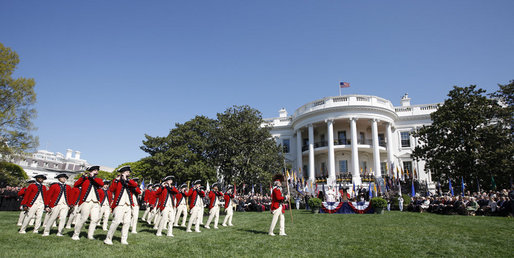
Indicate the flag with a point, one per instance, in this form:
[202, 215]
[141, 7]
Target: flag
[253, 189]
[143, 185]
[369, 191]
[407, 173]
[353, 190]
[375, 188]
[413, 191]
[462, 185]
[428, 192]
[344, 84]
[451, 188]
[414, 173]
[208, 187]
[493, 184]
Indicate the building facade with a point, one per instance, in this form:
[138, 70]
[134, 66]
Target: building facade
[51, 164]
[352, 135]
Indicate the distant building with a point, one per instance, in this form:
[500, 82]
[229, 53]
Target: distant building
[353, 136]
[51, 164]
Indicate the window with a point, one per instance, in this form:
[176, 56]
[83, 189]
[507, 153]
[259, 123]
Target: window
[407, 166]
[383, 168]
[305, 172]
[323, 169]
[341, 137]
[343, 166]
[405, 139]
[362, 138]
[285, 145]
[364, 166]
[381, 140]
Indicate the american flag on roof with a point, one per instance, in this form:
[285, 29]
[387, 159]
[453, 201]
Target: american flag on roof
[344, 84]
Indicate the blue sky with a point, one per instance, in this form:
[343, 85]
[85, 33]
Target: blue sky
[108, 72]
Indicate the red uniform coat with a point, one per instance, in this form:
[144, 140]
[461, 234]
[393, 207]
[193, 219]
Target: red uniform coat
[56, 192]
[227, 198]
[277, 198]
[136, 191]
[119, 187]
[152, 197]
[105, 195]
[212, 198]
[163, 193]
[22, 191]
[31, 194]
[178, 198]
[193, 193]
[87, 184]
[74, 196]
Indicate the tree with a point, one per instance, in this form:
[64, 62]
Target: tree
[185, 153]
[245, 151]
[11, 174]
[17, 98]
[468, 139]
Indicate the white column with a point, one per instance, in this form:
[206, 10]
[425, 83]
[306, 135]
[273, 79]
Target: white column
[389, 136]
[376, 152]
[331, 156]
[356, 178]
[299, 151]
[311, 153]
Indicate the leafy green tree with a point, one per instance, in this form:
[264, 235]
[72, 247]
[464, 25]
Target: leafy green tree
[17, 98]
[11, 174]
[185, 153]
[244, 150]
[467, 138]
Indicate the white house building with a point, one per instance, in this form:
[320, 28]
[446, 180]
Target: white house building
[51, 164]
[351, 134]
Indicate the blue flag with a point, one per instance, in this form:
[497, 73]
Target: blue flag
[428, 192]
[143, 184]
[451, 188]
[413, 191]
[462, 185]
[370, 192]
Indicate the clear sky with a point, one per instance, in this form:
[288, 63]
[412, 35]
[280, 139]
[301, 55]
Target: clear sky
[108, 72]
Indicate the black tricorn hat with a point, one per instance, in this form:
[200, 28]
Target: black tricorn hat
[230, 187]
[31, 181]
[91, 168]
[40, 175]
[124, 168]
[62, 175]
[183, 185]
[168, 178]
[215, 185]
[197, 182]
[278, 177]
[106, 182]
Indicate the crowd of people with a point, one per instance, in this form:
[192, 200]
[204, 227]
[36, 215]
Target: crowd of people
[492, 203]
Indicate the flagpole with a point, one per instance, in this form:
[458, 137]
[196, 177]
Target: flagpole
[339, 90]
[288, 192]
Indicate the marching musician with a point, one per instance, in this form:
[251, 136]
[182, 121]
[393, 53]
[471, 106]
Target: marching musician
[181, 206]
[195, 195]
[74, 200]
[166, 205]
[229, 206]
[121, 205]
[59, 202]
[89, 201]
[277, 207]
[33, 203]
[214, 206]
[135, 209]
[105, 204]
[21, 194]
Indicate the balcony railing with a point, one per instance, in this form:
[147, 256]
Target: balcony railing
[381, 143]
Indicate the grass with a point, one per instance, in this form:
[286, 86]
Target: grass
[392, 234]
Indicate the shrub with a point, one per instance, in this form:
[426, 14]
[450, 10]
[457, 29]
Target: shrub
[314, 203]
[378, 202]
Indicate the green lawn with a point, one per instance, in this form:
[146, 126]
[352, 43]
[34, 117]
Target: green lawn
[392, 234]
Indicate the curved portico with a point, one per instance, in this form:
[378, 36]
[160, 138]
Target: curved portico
[352, 134]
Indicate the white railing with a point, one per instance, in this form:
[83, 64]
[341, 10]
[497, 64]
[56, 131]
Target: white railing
[341, 101]
[417, 109]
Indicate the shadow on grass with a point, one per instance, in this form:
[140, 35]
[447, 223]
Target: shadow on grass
[258, 232]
